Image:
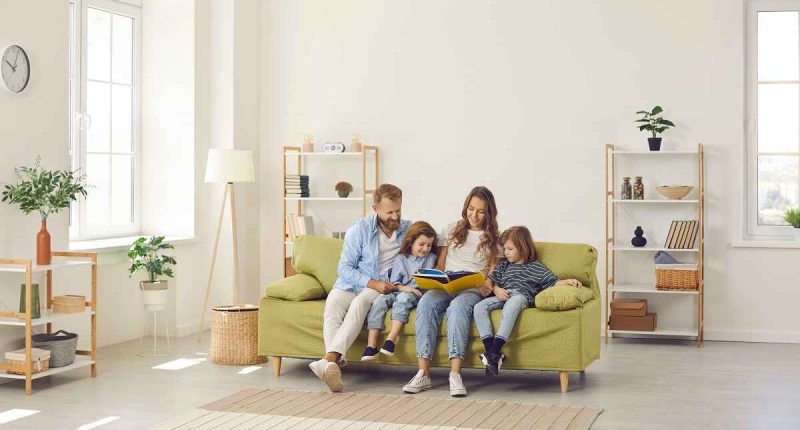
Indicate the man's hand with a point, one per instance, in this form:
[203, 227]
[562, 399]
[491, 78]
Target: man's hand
[501, 293]
[382, 287]
[409, 289]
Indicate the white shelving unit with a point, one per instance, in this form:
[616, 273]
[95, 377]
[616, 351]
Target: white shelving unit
[295, 154]
[61, 260]
[615, 252]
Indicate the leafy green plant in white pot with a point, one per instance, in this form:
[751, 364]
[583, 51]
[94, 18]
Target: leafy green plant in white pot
[147, 255]
[655, 124]
[792, 216]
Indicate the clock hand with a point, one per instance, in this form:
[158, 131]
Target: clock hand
[12, 67]
[15, 61]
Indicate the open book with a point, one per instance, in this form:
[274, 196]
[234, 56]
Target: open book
[451, 282]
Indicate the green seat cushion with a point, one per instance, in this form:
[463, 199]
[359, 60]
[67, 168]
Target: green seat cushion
[297, 288]
[563, 298]
[319, 257]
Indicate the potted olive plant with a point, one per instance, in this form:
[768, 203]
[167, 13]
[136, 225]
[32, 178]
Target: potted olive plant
[655, 124]
[792, 216]
[147, 255]
[46, 192]
[343, 189]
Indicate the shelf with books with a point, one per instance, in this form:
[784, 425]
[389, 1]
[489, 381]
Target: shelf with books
[683, 236]
[296, 178]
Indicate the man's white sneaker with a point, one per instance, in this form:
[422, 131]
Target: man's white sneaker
[420, 382]
[318, 367]
[457, 388]
[332, 375]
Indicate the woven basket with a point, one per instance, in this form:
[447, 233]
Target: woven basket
[682, 277]
[61, 344]
[234, 335]
[40, 361]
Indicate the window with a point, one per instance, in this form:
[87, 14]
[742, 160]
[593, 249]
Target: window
[104, 104]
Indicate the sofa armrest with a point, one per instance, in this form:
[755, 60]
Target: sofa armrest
[297, 288]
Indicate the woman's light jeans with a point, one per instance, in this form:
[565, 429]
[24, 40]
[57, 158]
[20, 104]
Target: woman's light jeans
[432, 307]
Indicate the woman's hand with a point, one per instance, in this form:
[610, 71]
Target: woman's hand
[574, 282]
[486, 288]
[409, 289]
[501, 293]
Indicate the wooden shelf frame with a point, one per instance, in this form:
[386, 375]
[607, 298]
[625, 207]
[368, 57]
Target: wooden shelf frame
[610, 230]
[28, 268]
[368, 153]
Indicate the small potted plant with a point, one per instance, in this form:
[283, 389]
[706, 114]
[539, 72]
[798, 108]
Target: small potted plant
[792, 216]
[344, 189]
[655, 124]
[46, 192]
[146, 255]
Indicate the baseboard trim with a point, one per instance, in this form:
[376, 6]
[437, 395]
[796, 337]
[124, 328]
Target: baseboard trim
[752, 336]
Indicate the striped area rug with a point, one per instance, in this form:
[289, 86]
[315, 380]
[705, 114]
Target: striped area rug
[306, 410]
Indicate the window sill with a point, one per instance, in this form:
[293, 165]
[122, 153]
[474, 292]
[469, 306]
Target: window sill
[775, 244]
[121, 243]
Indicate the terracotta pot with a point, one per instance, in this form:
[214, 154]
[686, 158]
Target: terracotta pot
[43, 253]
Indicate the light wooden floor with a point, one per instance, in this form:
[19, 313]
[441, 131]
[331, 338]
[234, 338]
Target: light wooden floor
[639, 384]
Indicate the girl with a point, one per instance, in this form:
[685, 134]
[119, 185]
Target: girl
[470, 244]
[418, 251]
[515, 283]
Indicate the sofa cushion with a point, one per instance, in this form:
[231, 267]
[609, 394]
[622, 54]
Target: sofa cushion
[570, 260]
[319, 257]
[296, 288]
[563, 298]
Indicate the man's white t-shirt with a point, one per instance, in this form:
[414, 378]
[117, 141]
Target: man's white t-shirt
[465, 257]
[387, 251]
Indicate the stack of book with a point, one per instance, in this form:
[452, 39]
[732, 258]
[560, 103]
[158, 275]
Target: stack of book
[682, 234]
[297, 186]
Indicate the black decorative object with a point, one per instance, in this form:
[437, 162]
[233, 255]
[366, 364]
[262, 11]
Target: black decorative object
[639, 240]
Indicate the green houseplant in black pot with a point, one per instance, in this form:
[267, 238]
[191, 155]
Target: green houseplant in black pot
[653, 122]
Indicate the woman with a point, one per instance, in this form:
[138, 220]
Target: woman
[470, 244]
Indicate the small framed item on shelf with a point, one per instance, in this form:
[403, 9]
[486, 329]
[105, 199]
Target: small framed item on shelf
[333, 147]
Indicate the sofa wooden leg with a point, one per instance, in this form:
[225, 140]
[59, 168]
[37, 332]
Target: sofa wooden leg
[564, 381]
[276, 366]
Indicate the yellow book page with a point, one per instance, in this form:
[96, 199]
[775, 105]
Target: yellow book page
[453, 287]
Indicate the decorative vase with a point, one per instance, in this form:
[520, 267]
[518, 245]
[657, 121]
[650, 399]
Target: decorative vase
[343, 193]
[655, 143]
[355, 145]
[626, 188]
[638, 239]
[308, 143]
[154, 294]
[36, 311]
[43, 253]
[638, 189]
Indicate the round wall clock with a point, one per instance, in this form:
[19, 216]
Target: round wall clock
[15, 69]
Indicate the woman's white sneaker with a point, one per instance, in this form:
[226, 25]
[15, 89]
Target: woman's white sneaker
[457, 388]
[420, 382]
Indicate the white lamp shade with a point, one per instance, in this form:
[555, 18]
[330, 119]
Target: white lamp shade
[229, 165]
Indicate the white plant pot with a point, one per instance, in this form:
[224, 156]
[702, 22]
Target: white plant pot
[154, 295]
[796, 234]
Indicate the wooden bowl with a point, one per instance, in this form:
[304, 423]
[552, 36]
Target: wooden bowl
[676, 192]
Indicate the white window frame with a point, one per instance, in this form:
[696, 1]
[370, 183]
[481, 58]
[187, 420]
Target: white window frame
[79, 230]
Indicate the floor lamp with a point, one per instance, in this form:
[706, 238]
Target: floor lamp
[228, 166]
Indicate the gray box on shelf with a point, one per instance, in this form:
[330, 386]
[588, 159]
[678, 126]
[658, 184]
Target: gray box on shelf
[61, 344]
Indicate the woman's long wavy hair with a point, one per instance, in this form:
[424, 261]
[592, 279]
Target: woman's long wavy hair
[490, 240]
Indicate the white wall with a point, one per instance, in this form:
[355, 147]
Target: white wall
[521, 96]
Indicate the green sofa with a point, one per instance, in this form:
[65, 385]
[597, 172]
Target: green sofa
[290, 316]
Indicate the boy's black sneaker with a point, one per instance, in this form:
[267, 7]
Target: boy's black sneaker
[369, 354]
[388, 348]
[490, 363]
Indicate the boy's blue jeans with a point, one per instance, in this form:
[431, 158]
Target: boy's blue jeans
[516, 303]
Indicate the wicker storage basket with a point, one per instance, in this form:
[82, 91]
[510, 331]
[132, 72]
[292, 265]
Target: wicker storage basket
[40, 361]
[677, 277]
[69, 304]
[234, 335]
[61, 345]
